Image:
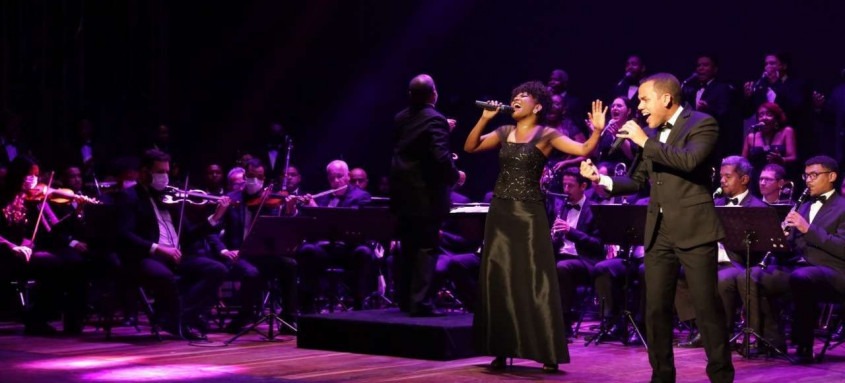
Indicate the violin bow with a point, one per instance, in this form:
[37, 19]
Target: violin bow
[41, 209]
[181, 215]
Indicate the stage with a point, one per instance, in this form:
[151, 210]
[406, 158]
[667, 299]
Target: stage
[136, 357]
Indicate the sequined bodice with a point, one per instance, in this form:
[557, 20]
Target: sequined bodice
[520, 169]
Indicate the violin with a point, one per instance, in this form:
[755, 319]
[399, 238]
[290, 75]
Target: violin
[173, 195]
[58, 196]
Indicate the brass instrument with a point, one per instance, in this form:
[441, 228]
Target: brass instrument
[786, 191]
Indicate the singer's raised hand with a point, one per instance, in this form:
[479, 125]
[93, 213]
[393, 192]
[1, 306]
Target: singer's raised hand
[597, 115]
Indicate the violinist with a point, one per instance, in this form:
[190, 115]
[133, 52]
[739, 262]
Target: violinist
[235, 219]
[357, 258]
[235, 179]
[159, 245]
[29, 251]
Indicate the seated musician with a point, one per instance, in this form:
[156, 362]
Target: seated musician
[358, 259]
[771, 182]
[817, 234]
[27, 254]
[575, 240]
[236, 218]
[294, 180]
[735, 176]
[154, 248]
[459, 260]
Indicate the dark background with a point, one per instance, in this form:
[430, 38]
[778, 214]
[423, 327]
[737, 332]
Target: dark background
[335, 72]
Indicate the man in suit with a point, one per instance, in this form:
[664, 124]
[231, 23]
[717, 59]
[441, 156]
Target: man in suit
[734, 178]
[154, 248]
[575, 240]
[235, 218]
[705, 93]
[818, 236]
[421, 177]
[682, 227]
[634, 73]
[358, 259]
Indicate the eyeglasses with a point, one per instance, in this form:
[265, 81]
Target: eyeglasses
[768, 179]
[812, 176]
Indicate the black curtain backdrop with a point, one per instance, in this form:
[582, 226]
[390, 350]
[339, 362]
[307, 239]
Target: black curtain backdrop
[335, 72]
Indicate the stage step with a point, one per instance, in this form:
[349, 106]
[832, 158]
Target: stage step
[389, 332]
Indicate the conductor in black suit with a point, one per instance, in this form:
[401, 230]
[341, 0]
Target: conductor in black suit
[682, 227]
[421, 178]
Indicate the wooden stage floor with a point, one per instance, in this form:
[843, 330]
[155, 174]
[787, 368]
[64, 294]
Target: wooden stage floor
[136, 357]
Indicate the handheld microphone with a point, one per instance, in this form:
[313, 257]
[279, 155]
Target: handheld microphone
[619, 140]
[490, 106]
[624, 79]
[688, 79]
[759, 83]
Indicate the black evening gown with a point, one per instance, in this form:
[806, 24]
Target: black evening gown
[520, 313]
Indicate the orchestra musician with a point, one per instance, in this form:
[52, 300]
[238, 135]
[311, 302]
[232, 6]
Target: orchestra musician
[30, 251]
[236, 218]
[154, 248]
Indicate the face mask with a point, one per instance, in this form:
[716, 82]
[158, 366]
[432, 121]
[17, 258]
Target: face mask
[129, 184]
[160, 181]
[253, 185]
[31, 182]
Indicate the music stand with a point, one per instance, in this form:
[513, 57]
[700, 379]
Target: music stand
[622, 225]
[272, 236]
[361, 225]
[752, 229]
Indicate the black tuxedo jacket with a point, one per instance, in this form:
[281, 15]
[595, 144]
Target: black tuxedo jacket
[422, 171]
[679, 173]
[718, 96]
[585, 235]
[138, 225]
[824, 243]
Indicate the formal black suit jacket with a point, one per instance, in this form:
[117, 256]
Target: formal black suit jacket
[422, 171]
[793, 96]
[717, 94]
[354, 197]
[824, 243]
[585, 235]
[138, 225]
[679, 172]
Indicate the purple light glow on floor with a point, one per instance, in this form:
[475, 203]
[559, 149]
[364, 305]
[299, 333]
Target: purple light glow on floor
[155, 373]
[80, 363]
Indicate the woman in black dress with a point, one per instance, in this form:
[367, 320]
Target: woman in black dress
[520, 314]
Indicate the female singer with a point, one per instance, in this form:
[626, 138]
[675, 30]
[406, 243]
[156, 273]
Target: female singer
[520, 311]
[29, 255]
[774, 142]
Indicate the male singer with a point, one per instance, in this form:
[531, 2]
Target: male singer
[682, 227]
[421, 178]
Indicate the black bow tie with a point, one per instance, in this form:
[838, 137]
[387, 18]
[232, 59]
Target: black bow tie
[733, 201]
[820, 198]
[667, 125]
[570, 206]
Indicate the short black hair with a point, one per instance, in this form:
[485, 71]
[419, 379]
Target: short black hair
[825, 161]
[780, 172]
[666, 83]
[152, 156]
[711, 56]
[576, 173]
[540, 93]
